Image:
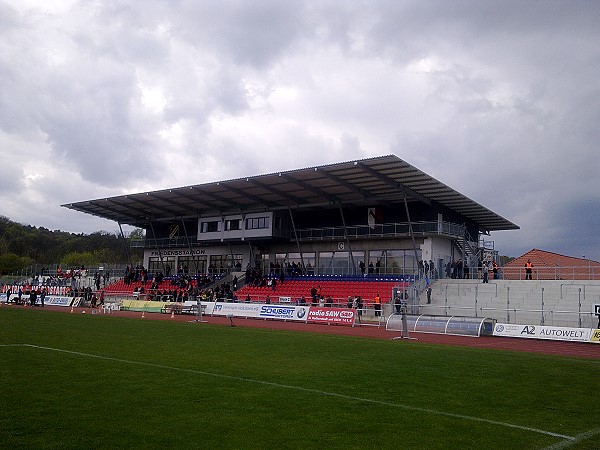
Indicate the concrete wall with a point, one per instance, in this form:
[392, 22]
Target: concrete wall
[551, 303]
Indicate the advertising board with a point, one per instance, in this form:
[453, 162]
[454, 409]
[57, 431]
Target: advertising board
[261, 311]
[543, 332]
[340, 316]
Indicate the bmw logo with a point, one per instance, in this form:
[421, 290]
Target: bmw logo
[301, 313]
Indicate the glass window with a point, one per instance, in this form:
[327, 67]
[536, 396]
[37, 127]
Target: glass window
[256, 223]
[209, 227]
[396, 262]
[232, 224]
[193, 264]
[166, 266]
[223, 264]
[338, 263]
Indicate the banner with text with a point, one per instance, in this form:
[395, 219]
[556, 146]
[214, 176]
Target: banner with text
[543, 332]
[340, 316]
[49, 300]
[261, 311]
[56, 301]
[207, 307]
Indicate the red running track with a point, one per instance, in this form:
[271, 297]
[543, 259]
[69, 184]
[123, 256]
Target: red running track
[548, 347]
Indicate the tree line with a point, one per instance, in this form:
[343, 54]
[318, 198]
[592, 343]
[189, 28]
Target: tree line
[22, 246]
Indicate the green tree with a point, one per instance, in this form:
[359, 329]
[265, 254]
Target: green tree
[12, 263]
[42, 246]
[78, 259]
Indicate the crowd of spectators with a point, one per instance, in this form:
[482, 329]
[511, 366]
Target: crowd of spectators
[181, 287]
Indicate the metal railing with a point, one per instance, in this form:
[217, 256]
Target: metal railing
[523, 316]
[589, 272]
[581, 272]
[330, 233]
[381, 230]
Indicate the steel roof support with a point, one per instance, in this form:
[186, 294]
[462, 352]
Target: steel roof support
[232, 260]
[189, 243]
[318, 192]
[347, 239]
[393, 183]
[160, 257]
[125, 244]
[297, 240]
[410, 230]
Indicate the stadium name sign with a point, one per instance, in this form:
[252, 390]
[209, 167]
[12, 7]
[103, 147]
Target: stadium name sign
[178, 252]
[544, 332]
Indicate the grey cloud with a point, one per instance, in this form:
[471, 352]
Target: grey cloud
[508, 106]
[252, 33]
[11, 175]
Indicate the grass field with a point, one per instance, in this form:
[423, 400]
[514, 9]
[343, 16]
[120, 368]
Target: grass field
[83, 381]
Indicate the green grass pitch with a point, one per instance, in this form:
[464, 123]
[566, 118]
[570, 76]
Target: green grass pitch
[88, 381]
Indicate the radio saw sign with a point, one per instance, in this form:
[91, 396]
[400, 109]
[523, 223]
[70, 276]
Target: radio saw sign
[341, 316]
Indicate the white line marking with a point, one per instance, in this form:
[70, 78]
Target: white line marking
[580, 437]
[301, 389]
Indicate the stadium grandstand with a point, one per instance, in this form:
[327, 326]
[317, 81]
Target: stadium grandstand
[356, 228]
[370, 239]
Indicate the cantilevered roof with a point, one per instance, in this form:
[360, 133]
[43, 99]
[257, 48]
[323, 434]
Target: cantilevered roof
[384, 179]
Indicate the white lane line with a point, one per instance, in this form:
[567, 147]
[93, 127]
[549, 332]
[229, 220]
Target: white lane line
[302, 389]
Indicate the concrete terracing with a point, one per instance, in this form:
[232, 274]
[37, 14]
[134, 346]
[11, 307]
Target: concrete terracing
[565, 303]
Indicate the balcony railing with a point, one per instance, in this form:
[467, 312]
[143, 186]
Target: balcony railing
[382, 230]
[386, 230]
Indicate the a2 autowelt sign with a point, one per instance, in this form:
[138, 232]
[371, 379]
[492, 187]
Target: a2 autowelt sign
[543, 332]
[342, 316]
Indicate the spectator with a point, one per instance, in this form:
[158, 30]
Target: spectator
[398, 302]
[528, 270]
[377, 304]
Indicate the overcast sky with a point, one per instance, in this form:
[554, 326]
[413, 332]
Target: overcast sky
[500, 100]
